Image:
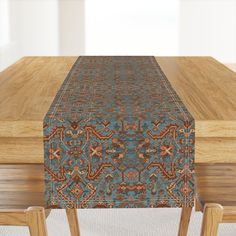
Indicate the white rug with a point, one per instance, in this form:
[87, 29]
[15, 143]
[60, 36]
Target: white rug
[121, 222]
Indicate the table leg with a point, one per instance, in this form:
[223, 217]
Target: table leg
[184, 221]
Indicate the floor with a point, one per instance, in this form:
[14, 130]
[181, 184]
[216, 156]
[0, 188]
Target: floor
[122, 222]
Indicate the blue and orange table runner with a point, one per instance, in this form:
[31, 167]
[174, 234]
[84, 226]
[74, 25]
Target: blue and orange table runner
[118, 136]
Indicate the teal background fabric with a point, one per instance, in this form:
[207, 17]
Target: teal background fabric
[118, 136]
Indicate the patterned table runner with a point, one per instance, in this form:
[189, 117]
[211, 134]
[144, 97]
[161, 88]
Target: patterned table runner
[117, 135]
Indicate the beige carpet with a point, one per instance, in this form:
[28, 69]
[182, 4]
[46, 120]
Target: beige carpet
[122, 222]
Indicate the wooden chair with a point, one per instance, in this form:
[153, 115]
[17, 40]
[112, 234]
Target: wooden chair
[216, 198]
[22, 188]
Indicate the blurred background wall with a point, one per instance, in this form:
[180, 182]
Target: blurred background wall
[117, 27]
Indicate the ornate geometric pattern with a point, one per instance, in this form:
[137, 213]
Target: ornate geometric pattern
[117, 135]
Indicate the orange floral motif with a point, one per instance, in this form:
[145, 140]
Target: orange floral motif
[166, 150]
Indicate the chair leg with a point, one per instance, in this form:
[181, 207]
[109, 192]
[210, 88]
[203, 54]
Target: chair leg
[184, 221]
[212, 216]
[73, 222]
[36, 220]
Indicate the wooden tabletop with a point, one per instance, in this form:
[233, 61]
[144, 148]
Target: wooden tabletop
[206, 87]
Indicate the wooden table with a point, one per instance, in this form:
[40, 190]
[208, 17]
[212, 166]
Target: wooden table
[27, 88]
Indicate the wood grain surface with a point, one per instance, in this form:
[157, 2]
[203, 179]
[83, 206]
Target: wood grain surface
[216, 183]
[27, 89]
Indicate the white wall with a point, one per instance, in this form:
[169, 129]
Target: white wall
[43, 28]
[4, 22]
[8, 49]
[208, 27]
[71, 27]
[33, 30]
[150, 27]
[36, 25]
[157, 27]
[132, 27]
